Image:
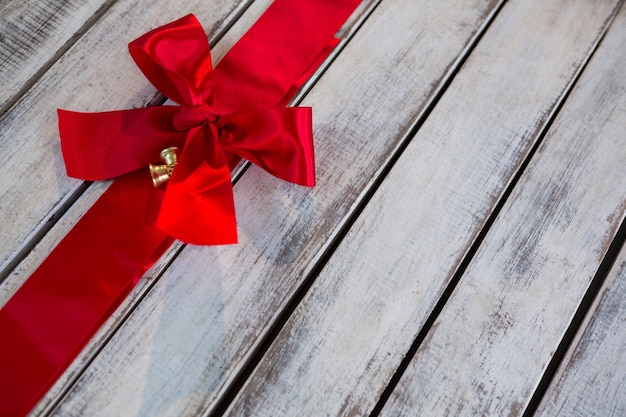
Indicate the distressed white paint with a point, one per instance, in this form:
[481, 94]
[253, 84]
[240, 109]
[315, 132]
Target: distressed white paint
[345, 340]
[190, 335]
[32, 34]
[490, 345]
[592, 379]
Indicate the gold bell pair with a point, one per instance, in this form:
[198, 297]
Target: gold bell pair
[161, 173]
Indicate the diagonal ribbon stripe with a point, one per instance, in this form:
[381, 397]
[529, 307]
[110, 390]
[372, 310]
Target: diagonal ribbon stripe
[237, 108]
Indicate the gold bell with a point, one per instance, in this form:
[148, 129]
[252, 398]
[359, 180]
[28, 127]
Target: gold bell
[161, 173]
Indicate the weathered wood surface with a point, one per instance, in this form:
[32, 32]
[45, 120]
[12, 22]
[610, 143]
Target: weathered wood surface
[96, 74]
[33, 34]
[346, 339]
[194, 327]
[228, 297]
[592, 380]
[497, 333]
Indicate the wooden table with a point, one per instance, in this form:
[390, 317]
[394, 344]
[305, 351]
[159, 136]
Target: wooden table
[460, 254]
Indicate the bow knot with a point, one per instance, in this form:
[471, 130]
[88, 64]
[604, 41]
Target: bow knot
[197, 205]
[187, 117]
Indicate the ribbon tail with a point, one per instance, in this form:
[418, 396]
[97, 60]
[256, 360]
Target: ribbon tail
[63, 303]
[284, 55]
[98, 146]
[308, 73]
[278, 140]
[199, 206]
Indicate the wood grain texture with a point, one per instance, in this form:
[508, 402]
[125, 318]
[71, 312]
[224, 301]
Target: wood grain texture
[96, 74]
[592, 380]
[200, 323]
[70, 218]
[496, 334]
[33, 34]
[345, 340]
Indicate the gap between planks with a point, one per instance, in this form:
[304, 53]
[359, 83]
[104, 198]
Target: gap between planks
[584, 310]
[326, 252]
[48, 61]
[608, 244]
[473, 249]
[553, 109]
[590, 379]
[584, 313]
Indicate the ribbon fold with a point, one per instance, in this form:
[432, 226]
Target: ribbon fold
[198, 205]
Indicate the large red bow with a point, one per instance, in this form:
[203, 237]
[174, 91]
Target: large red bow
[198, 205]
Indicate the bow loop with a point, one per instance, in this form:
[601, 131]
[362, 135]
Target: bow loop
[176, 59]
[100, 146]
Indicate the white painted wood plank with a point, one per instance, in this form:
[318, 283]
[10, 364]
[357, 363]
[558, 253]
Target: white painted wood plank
[33, 34]
[37, 255]
[488, 349]
[346, 339]
[96, 74]
[202, 320]
[592, 380]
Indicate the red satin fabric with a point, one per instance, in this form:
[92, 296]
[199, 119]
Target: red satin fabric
[61, 306]
[85, 278]
[198, 203]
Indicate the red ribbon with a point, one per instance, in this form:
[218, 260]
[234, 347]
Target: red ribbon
[233, 109]
[198, 205]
